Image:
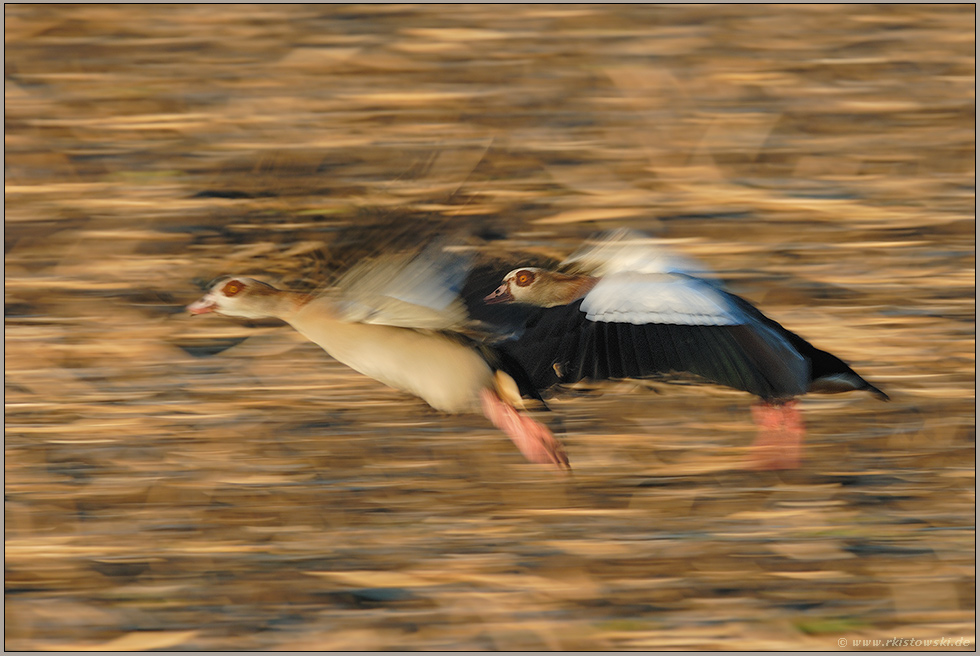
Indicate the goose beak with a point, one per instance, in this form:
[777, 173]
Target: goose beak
[202, 305]
[500, 295]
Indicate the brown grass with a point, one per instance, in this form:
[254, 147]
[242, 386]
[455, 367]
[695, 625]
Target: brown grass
[819, 158]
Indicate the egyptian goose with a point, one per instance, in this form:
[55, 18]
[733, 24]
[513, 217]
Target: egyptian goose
[628, 308]
[392, 322]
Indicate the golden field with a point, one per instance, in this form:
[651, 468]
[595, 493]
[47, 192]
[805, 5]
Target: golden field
[213, 484]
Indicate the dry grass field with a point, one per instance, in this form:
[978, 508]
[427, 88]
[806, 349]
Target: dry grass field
[214, 484]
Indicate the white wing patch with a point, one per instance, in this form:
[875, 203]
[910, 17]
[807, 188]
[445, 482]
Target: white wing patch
[641, 298]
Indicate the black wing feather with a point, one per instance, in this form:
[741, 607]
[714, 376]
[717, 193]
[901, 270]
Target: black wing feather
[583, 349]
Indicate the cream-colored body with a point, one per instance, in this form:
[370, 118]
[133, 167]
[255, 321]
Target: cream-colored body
[440, 368]
[443, 372]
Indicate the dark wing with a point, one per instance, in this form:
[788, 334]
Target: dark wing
[652, 325]
[828, 373]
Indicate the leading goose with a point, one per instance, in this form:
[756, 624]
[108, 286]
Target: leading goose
[392, 321]
[627, 308]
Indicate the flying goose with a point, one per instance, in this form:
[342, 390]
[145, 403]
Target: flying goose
[625, 307]
[393, 320]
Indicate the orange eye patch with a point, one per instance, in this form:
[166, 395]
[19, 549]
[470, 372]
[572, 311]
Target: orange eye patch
[524, 278]
[232, 288]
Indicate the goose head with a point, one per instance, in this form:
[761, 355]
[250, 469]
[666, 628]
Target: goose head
[238, 296]
[516, 287]
[540, 287]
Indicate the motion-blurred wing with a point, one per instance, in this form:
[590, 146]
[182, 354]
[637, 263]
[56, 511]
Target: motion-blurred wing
[624, 250]
[650, 325]
[420, 291]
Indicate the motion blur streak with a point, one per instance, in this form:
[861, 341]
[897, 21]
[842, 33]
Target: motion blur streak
[214, 484]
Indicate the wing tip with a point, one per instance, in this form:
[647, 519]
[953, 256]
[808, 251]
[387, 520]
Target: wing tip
[877, 393]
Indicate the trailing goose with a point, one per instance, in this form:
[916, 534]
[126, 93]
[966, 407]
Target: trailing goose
[625, 307]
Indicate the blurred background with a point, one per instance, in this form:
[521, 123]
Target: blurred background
[216, 484]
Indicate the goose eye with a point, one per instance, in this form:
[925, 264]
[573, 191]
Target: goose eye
[524, 278]
[232, 288]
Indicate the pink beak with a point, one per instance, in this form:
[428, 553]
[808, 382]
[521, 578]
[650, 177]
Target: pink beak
[201, 306]
[500, 295]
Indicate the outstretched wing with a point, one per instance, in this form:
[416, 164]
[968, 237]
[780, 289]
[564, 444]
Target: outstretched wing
[411, 291]
[637, 325]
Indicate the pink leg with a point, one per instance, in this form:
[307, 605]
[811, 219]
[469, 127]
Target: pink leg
[533, 438]
[781, 432]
